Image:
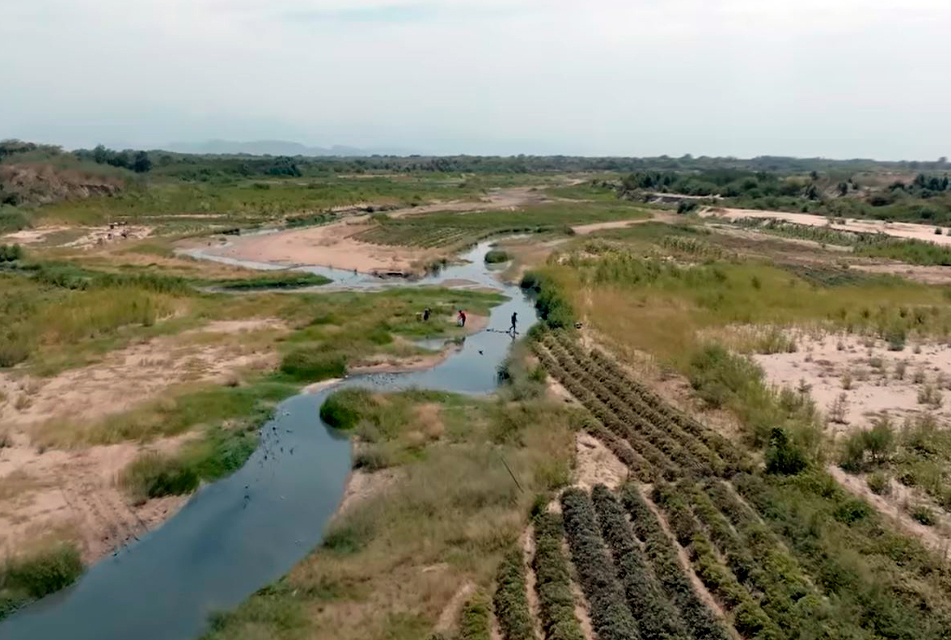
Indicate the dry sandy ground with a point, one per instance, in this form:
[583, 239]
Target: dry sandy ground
[330, 245]
[919, 273]
[129, 376]
[896, 229]
[875, 390]
[72, 494]
[821, 364]
[596, 464]
[89, 237]
[334, 245]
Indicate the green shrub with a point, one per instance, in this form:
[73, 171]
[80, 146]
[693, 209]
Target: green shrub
[510, 599]
[10, 252]
[313, 365]
[556, 600]
[878, 483]
[782, 456]
[342, 408]
[552, 306]
[924, 515]
[698, 619]
[153, 475]
[497, 255]
[657, 618]
[43, 573]
[474, 619]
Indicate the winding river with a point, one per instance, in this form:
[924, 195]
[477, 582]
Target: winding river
[243, 532]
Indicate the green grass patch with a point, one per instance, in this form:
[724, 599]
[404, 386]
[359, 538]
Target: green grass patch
[293, 280]
[36, 575]
[453, 505]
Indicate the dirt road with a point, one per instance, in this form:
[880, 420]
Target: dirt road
[895, 229]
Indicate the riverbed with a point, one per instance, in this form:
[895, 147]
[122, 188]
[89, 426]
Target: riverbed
[243, 532]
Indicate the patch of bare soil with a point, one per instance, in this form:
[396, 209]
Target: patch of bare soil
[450, 614]
[133, 375]
[108, 234]
[596, 464]
[585, 229]
[918, 273]
[866, 372]
[332, 245]
[896, 229]
[335, 245]
[892, 506]
[75, 496]
[527, 544]
[33, 236]
[362, 485]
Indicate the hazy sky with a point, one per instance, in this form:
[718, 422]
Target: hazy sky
[837, 78]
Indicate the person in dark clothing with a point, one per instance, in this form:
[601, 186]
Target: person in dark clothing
[462, 317]
[514, 322]
[426, 313]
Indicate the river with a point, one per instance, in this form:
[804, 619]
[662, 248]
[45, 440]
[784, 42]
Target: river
[241, 533]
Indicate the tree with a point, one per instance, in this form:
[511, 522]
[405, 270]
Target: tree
[100, 154]
[142, 163]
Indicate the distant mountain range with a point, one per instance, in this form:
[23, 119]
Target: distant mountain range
[274, 148]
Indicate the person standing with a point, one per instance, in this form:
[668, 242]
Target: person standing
[514, 322]
[462, 317]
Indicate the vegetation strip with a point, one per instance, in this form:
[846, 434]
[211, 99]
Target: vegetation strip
[699, 620]
[511, 599]
[553, 584]
[610, 614]
[747, 616]
[657, 618]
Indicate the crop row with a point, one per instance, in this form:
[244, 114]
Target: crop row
[610, 615]
[658, 437]
[879, 581]
[657, 618]
[660, 464]
[748, 616]
[413, 235]
[760, 562]
[697, 618]
[553, 582]
[511, 598]
[722, 446]
[721, 458]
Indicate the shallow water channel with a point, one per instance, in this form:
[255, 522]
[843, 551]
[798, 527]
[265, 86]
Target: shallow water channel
[239, 534]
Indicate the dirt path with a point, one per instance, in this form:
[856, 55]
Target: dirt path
[936, 538]
[596, 464]
[527, 544]
[896, 229]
